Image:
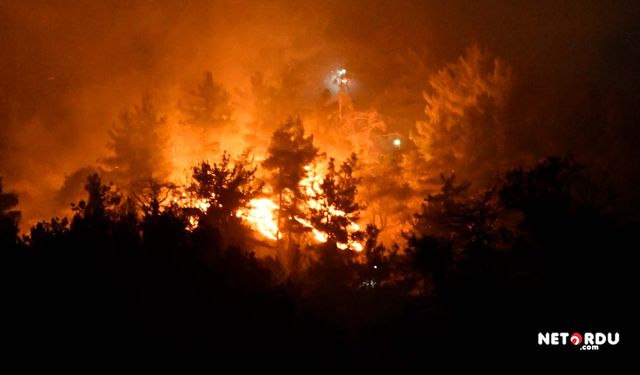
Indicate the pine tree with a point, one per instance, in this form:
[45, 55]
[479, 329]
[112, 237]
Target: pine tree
[289, 152]
[208, 106]
[103, 200]
[389, 204]
[225, 186]
[337, 210]
[139, 145]
[454, 230]
[464, 127]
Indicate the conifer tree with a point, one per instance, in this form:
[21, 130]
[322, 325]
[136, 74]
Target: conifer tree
[289, 152]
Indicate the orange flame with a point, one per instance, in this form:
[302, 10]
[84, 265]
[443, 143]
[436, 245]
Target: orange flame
[261, 213]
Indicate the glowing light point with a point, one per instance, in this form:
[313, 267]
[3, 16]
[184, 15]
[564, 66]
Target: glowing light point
[397, 142]
[341, 79]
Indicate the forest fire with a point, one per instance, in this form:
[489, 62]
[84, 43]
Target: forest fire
[261, 214]
[316, 184]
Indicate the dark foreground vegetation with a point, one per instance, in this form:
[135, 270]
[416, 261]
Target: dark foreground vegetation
[480, 273]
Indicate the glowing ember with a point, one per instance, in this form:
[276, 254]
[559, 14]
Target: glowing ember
[397, 142]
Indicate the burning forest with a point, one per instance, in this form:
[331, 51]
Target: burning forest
[363, 183]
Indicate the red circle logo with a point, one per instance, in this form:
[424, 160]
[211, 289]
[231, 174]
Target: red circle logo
[576, 339]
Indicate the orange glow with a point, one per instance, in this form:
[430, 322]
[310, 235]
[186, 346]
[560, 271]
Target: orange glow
[261, 213]
[262, 217]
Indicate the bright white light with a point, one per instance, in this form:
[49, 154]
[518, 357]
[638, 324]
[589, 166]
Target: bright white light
[397, 142]
[340, 79]
[375, 267]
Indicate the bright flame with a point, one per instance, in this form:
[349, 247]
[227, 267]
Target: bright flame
[261, 215]
[317, 234]
[397, 142]
[312, 185]
[190, 202]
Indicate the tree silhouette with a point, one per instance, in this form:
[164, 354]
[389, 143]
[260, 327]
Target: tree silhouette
[289, 153]
[102, 200]
[48, 234]
[8, 217]
[152, 195]
[225, 186]
[558, 218]
[454, 233]
[156, 283]
[139, 145]
[379, 263]
[208, 107]
[337, 209]
[441, 212]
